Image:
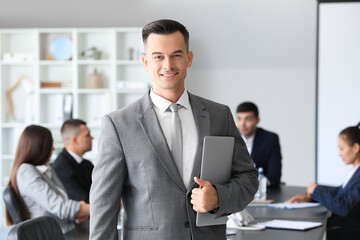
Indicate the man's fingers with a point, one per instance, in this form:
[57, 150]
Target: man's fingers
[196, 191]
[194, 197]
[201, 182]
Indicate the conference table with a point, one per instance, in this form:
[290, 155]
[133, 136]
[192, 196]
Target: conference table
[260, 214]
[263, 213]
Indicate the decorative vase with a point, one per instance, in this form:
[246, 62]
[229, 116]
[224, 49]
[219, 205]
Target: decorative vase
[95, 80]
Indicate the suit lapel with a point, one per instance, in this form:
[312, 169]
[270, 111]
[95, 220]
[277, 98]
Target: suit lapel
[202, 122]
[151, 126]
[353, 178]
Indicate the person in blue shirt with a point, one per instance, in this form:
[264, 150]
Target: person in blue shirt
[342, 201]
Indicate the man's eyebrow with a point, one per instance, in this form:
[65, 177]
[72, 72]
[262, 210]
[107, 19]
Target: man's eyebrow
[178, 51]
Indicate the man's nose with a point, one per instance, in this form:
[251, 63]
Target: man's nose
[168, 64]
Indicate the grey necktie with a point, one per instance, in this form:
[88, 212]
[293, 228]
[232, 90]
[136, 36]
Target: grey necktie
[176, 138]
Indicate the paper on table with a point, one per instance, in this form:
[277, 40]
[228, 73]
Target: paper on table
[262, 201]
[293, 205]
[293, 225]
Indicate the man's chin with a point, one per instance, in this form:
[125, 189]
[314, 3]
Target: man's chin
[246, 134]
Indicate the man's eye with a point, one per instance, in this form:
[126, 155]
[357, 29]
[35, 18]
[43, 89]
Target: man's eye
[157, 57]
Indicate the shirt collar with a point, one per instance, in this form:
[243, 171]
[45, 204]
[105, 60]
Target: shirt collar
[77, 158]
[163, 104]
[350, 175]
[42, 168]
[248, 140]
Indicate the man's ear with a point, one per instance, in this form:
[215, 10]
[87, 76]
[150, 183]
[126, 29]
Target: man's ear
[257, 120]
[190, 58]
[73, 140]
[145, 61]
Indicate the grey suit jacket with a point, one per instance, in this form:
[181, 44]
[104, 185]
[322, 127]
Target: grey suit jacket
[134, 164]
[42, 197]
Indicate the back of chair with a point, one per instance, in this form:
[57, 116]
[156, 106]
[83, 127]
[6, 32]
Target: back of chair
[12, 204]
[41, 228]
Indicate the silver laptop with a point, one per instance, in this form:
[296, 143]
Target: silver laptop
[216, 168]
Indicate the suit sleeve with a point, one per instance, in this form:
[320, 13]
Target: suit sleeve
[32, 185]
[339, 203]
[108, 178]
[274, 164]
[235, 195]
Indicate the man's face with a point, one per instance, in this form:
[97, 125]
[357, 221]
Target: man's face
[84, 139]
[246, 123]
[167, 60]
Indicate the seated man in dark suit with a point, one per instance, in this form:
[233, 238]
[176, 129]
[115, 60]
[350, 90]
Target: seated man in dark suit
[74, 171]
[263, 146]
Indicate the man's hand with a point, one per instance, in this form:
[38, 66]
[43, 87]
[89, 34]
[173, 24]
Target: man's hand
[299, 199]
[84, 212]
[205, 198]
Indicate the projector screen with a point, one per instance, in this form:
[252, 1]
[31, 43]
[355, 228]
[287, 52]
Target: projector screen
[338, 91]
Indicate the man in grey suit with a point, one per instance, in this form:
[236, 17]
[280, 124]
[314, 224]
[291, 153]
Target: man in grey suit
[136, 163]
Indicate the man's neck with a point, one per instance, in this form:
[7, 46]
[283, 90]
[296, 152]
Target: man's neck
[171, 95]
[249, 136]
[76, 151]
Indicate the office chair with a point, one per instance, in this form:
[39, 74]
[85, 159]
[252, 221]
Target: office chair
[41, 228]
[337, 230]
[12, 204]
[343, 233]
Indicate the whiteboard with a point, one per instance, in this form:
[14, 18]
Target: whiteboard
[338, 85]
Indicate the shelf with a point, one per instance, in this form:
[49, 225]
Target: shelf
[119, 65]
[50, 125]
[94, 62]
[129, 62]
[54, 30]
[93, 91]
[13, 124]
[132, 90]
[55, 62]
[17, 63]
[55, 90]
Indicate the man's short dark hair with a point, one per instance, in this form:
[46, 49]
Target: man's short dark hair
[165, 26]
[71, 128]
[248, 107]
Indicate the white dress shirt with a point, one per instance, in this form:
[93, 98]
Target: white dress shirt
[189, 131]
[349, 176]
[77, 158]
[249, 142]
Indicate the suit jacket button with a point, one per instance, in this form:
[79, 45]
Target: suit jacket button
[186, 224]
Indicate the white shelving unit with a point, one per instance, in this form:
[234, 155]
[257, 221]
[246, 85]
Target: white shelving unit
[124, 80]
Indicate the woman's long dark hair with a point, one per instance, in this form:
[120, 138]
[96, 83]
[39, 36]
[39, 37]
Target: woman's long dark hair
[34, 147]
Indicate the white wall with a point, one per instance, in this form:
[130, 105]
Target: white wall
[263, 51]
[339, 85]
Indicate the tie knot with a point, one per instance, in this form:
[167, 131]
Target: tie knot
[174, 107]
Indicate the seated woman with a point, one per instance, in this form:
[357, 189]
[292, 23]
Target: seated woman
[342, 201]
[37, 187]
